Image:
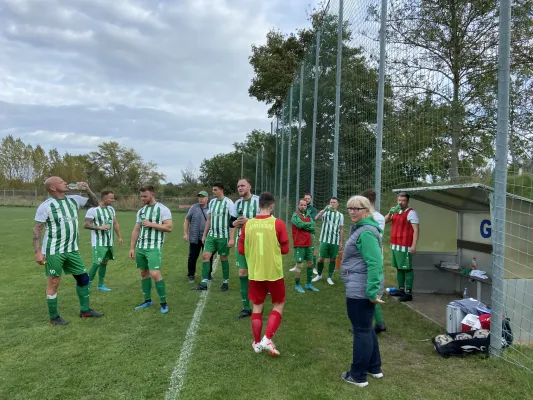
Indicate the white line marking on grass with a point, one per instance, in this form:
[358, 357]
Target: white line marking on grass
[177, 379]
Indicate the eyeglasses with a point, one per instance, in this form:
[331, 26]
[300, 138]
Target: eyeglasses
[356, 208]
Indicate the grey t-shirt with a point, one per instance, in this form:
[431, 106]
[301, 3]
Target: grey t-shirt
[197, 217]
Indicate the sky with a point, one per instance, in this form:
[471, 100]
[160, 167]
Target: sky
[169, 78]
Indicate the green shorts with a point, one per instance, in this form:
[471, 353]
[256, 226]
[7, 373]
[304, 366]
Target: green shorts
[328, 250]
[148, 259]
[67, 263]
[302, 254]
[219, 245]
[102, 254]
[241, 261]
[402, 260]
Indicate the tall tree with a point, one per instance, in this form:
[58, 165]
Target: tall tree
[189, 175]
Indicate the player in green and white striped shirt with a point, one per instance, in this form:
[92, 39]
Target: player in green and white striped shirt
[331, 238]
[147, 238]
[218, 235]
[59, 251]
[247, 208]
[102, 221]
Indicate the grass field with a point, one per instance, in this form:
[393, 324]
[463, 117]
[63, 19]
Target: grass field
[131, 354]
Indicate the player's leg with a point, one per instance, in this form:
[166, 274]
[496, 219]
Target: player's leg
[277, 293]
[333, 254]
[299, 259]
[75, 266]
[309, 271]
[209, 249]
[243, 278]
[257, 294]
[155, 261]
[108, 256]
[223, 252]
[322, 255]
[95, 265]
[400, 274]
[407, 264]
[313, 251]
[146, 280]
[53, 271]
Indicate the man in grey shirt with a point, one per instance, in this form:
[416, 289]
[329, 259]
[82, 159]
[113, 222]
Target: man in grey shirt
[193, 229]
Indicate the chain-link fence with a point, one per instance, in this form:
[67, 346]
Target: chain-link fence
[430, 98]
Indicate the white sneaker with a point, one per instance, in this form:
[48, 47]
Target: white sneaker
[257, 347]
[316, 278]
[266, 344]
[315, 271]
[330, 281]
[293, 269]
[377, 376]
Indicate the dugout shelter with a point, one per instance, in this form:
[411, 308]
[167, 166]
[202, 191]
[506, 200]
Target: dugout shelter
[456, 227]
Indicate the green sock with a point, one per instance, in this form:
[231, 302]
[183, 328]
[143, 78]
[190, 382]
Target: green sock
[400, 276]
[92, 271]
[146, 285]
[52, 305]
[83, 295]
[309, 275]
[320, 267]
[161, 292]
[205, 272]
[378, 314]
[331, 269]
[314, 261]
[297, 280]
[101, 274]
[409, 278]
[244, 292]
[225, 270]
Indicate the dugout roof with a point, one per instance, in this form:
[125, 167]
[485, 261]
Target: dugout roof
[472, 197]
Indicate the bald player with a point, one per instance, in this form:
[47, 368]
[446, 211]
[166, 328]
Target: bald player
[59, 254]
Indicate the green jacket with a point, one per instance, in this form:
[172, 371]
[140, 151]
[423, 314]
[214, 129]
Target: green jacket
[297, 222]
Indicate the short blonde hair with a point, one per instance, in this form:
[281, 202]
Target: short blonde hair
[359, 202]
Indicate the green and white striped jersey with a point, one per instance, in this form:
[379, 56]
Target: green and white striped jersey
[220, 212]
[101, 216]
[247, 208]
[332, 221]
[150, 238]
[61, 219]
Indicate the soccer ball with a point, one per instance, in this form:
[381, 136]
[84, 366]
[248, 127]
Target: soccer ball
[482, 333]
[463, 336]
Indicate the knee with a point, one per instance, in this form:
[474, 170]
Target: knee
[206, 257]
[243, 272]
[223, 258]
[82, 279]
[320, 260]
[145, 273]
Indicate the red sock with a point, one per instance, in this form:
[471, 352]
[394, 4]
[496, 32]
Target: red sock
[274, 319]
[257, 326]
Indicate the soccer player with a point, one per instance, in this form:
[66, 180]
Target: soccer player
[403, 241]
[59, 250]
[147, 238]
[331, 238]
[302, 226]
[312, 213]
[218, 229]
[247, 207]
[102, 221]
[262, 241]
[370, 194]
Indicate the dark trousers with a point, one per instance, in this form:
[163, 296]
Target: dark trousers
[195, 249]
[366, 357]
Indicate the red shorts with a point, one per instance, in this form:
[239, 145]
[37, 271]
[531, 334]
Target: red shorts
[258, 290]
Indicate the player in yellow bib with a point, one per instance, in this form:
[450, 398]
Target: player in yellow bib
[263, 240]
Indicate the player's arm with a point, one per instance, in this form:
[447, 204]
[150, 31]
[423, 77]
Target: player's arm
[283, 237]
[116, 228]
[341, 232]
[320, 215]
[93, 200]
[37, 230]
[134, 237]
[206, 229]
[416, 232]
[240, 245]
[297, 221]
[89, 224]
[166, 226]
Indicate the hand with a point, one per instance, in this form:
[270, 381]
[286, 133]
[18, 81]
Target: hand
[120, 241]
[104, 228]
[84, 185]
[340, 247]
[377, 300]
[394, 209]
[412, 250]
[203, 239]
[132, 253]
[39, 258]
[185, 237]
[148, 224]
[231, 242]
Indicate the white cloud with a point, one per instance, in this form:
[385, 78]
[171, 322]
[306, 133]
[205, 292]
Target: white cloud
[169, 78]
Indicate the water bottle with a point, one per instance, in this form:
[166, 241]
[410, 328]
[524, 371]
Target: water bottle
[391, 290]
[75, 186]
[465, 294]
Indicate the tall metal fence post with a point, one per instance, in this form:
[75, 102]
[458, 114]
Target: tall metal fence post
[337, 101]
[262, 168]
[500, 178]
[280, 213]
[289, 135]
[315, 112]
[242, 164]
[300, 108]
[276, 163]
[381, 101]
[256, 185]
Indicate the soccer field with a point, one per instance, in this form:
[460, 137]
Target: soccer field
[143, 354]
